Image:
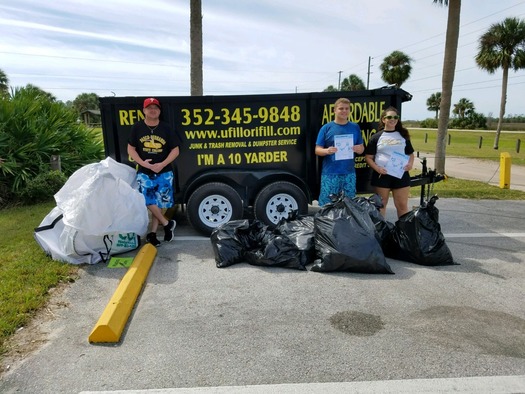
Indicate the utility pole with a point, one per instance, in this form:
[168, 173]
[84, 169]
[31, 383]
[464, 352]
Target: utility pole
[339, 83]
[368, 75]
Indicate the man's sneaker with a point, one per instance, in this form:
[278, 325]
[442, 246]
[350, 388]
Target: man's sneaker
[152, 239]
[169, 230]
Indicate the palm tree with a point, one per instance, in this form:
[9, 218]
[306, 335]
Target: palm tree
[4, 84]
[353, 82]
[447, 79]
[196, 47]
[433, 102]
[463, 107]
[38, 92]
[396, 68]
[503, 45]
[331, 88]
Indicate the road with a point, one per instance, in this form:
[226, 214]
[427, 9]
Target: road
[245, 329]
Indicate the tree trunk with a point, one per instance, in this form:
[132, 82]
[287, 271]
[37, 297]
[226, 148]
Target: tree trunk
[502, 105]
[196, 47]
[447, 81]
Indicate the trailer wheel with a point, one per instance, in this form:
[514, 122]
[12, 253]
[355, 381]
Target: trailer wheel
[277, 200]
[212, 205]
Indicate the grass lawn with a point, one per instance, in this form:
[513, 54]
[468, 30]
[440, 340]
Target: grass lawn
[26, 273]
[466, 143]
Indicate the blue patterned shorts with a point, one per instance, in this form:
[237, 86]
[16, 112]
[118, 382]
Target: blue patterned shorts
[157, 189]
[334, 184]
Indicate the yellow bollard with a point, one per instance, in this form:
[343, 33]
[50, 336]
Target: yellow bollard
[504, 170]
[113, 320]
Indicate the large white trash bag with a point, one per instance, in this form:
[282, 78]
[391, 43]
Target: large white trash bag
[64, 243]
[99, 213]
[99, 198]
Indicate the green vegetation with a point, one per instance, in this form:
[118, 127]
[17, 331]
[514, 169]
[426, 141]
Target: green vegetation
[502, 47]
[460, 188]
[396, 68]
[34, 127]
[42, 187]
[26, 273]
[465, 143]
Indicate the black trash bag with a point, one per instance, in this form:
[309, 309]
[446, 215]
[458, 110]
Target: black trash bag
[384, 228]
[250, 241]
[254, 235]
[388, 243]
[419, 238]
[345, 239]
[300, 230]
[276, 251]
[228, 247]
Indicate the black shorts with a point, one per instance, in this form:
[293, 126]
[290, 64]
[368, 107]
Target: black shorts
[389, 181]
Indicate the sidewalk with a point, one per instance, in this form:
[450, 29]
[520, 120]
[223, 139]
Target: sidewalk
[478, 170]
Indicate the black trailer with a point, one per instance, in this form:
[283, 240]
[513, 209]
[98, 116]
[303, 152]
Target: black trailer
[245, 152]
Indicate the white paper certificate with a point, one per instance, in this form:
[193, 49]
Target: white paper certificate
[396, 164]
[345, 146]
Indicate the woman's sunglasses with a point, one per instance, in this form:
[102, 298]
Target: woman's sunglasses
[391, 117]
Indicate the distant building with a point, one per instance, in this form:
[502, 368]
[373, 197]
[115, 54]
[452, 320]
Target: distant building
[91, 117]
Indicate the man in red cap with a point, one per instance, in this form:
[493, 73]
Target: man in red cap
[154, 146]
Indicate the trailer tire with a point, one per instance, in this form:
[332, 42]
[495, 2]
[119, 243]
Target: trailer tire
[212, 205]
[277, 200]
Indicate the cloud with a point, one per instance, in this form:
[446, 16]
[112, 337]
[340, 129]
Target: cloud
[269, 46]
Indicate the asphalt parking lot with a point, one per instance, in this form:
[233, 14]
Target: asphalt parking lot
[197, 328]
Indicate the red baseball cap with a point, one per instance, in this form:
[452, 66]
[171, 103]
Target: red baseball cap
[150, 101]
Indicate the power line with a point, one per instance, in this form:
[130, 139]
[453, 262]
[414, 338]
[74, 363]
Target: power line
[462, 35]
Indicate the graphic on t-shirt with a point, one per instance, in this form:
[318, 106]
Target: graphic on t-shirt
[152, 144]
[383, 142]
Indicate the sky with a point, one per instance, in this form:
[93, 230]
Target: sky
[131, 48]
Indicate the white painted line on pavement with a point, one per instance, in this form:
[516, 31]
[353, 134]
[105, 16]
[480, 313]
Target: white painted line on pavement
[451, 235]
[472, 385]
[191, 238]
[485, 235]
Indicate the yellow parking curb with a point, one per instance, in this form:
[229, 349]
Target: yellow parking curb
[113, 320]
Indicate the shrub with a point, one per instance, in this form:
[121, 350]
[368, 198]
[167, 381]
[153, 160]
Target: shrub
[471, 122]
[42, 188]
[33, 128]
[5, 195]
[429, 123]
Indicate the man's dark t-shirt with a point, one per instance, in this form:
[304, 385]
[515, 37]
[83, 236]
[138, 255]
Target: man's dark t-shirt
[153, 143]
